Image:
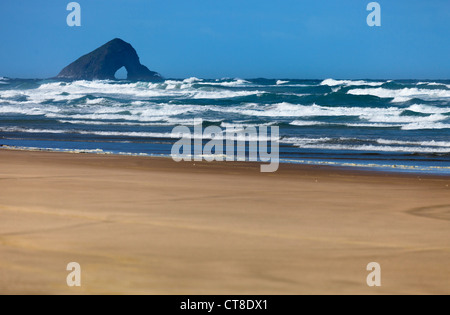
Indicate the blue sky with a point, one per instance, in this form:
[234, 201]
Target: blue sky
[234, 38]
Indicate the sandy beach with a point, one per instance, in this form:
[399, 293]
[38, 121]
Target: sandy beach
[141, 225]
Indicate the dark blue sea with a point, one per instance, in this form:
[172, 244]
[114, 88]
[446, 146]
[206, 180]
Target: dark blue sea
[380, 125]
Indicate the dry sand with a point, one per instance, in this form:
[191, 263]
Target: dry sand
[152, 226]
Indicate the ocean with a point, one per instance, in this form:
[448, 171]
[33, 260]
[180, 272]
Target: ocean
[401, 126]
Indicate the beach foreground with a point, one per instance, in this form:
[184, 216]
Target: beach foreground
[152, 226]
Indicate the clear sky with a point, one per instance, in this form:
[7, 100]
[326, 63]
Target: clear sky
[234, 38]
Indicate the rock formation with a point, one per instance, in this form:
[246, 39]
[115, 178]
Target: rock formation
[103, 63]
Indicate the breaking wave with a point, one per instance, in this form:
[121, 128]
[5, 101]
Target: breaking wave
[316, 117]
[404, 95]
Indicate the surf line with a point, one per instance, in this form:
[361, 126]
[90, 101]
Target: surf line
[259, 142]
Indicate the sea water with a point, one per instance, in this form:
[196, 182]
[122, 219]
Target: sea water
[379, 125]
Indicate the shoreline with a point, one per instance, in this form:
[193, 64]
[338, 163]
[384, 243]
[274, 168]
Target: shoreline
[154, 226]
[342, 167]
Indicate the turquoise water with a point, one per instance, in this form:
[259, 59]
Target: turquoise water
[382, 125]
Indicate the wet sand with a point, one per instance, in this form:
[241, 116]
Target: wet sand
[152, 226]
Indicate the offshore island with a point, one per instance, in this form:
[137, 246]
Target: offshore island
[105, 61]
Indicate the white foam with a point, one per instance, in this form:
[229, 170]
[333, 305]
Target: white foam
[105, 123]
[415, 143]
[307, 123]
[235, 83]
[281, 82]
[373, 125]
[151, 111]
[425, 126]
[224, 94]
[428, 109]
[141, 112]
[164, 122]
[95, 101]
[101, 117]
[433, 84]
[303, 141]
[101, 105]
[403, 95]
[169, 135]
[355, 125]
[332, 82]
[31, 110]
[98, 133]
[385, 145]
[192, 80]
[397, 118]
[112, 123]
[244, 125]
[146, 112]
[76, 151]
[375, 148]
[57, 91]
[298, 110]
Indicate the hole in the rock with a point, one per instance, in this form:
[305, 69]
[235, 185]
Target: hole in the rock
[121, 74]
